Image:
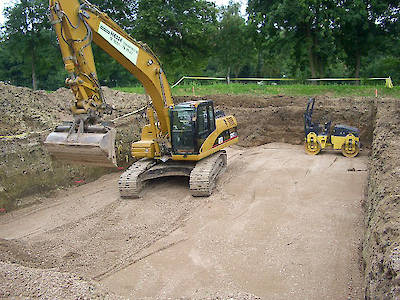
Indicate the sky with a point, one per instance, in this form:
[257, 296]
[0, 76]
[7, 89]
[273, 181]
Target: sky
[5, 3]
[1, 11]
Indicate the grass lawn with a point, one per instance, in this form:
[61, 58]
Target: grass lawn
[334, 90]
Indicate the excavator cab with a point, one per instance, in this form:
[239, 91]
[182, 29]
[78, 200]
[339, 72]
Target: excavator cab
[191, 123]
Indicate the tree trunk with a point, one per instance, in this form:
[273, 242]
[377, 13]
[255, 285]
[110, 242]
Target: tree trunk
[311, 56]
[358, 66]
[259, 62]
[311, 59]
[34, 82]
[321, 69]
[237, 71]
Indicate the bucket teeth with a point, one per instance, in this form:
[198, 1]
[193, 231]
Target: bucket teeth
[93, 147]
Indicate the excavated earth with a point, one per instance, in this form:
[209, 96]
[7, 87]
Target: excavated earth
[280, 225]
[27, 117]
[381, 248]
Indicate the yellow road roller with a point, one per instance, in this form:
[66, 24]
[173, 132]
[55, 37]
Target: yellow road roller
[318, 137]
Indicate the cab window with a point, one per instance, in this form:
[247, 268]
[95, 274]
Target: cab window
[202, 121]
[211, 118]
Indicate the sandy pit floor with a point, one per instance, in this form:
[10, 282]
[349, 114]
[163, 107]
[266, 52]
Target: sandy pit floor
[281, 225]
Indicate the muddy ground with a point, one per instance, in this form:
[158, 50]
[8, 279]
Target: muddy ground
[96, 245]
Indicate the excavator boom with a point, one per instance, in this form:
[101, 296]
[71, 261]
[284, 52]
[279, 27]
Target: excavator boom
[187, 139]
[77, 24]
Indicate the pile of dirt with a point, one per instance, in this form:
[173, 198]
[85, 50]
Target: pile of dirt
[23, 282]
[25, 271]
[25, 167]
[18, 252]
[23, 110]
[381, 251]
[267, 119]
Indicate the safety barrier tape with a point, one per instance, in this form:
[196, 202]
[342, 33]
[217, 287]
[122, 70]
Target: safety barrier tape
[199, 78]
[388, 80]
[263, 79]
[22, 135]
[11, 137]
[131, 113]
[388, 83]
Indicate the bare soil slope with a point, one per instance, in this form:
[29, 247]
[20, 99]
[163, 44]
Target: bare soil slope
[25, 167]
[381, 251]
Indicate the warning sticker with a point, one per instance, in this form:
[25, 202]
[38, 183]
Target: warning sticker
[125, 47]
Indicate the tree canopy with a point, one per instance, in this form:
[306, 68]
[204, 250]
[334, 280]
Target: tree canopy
[292, 38]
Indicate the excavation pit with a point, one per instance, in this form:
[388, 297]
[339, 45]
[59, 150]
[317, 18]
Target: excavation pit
[90, 226]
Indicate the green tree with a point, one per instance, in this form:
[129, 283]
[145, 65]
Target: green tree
[305, 24]
[355, 31]
[26, 30]
[259, 37]
[180, 32]
[123, 12]
[233, 44]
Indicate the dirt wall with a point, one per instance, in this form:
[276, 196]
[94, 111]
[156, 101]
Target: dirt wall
[266, 119]
[381, 249]
[25, 167]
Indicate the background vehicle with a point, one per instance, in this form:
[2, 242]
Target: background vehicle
[341, 137]
[184, 140]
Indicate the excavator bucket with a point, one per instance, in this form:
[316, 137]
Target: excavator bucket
[94, 146]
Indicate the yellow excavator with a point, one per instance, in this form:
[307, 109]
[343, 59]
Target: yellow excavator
[186, 139]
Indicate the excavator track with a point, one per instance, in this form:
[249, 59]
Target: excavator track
[130, 183]
[203, 176]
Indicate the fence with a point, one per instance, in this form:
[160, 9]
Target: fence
[388, 80]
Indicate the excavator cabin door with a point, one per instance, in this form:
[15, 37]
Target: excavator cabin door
[191, 124]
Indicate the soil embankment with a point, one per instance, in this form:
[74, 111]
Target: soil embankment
[381, 251]
[267, 119]
[28, 117]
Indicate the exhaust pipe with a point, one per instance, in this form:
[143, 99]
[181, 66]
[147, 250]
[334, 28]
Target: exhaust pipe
[94, 146]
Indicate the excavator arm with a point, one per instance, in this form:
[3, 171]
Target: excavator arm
[77, 24]
[188, 139]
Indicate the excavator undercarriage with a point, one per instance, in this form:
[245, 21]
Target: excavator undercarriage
[202, 174]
